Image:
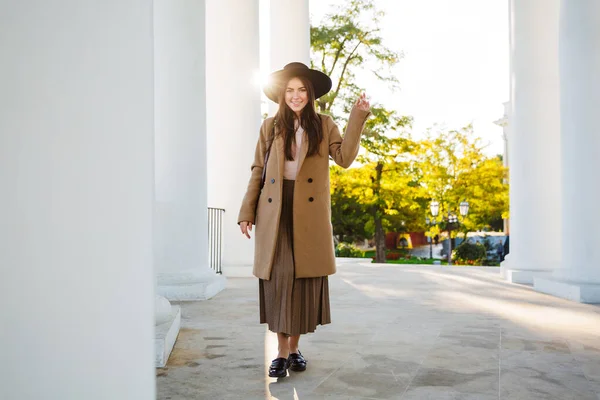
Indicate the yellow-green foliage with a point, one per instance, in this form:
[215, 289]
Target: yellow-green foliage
[400, 176]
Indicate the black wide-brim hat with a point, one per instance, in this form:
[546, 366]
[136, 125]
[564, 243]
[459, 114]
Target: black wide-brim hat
[278, 79]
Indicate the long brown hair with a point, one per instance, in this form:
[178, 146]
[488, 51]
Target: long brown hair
[309, 121]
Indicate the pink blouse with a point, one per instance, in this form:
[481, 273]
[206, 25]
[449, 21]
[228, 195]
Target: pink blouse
[290, 168]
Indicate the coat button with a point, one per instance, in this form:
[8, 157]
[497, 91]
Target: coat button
[270, 199]
[309, 180]
[272, 180]
[311, 199]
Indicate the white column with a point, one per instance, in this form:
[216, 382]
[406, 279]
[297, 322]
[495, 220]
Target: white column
[578, 276]
[233, 90]
[290, 35]
[506, 133]
[167, 321]
[504, 123]
[76, 189]
[181, 241]
[290, 32]
[534, 145]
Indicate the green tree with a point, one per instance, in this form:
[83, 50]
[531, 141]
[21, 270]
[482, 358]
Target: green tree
[486, 189]
[390, 191]
[453, 168]
[349, 216]
[348, 40]
[344, 44]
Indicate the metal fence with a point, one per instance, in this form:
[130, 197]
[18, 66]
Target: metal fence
[215, 238]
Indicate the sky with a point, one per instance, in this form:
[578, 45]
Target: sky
[455, 67]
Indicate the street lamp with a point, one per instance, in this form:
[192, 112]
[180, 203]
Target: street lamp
[435, 209]
[429, 223]
[453, 224]
[452, 220]
[464, 208]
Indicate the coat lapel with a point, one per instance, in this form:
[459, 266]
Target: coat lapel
[303, 152]
[280, 156]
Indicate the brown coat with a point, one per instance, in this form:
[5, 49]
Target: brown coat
[313, 236]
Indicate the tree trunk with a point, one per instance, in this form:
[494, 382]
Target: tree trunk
[379, 239]
[377, 216]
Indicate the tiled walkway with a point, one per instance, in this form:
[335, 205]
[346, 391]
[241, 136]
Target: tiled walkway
[398, 332]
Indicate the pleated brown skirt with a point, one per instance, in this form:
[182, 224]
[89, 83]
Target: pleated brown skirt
[289, 305]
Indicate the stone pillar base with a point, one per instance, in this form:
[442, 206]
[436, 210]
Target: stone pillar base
[165, 336]
[574, 291]
[190, 285]
[237, 270]
[523, 276]
[521, 273]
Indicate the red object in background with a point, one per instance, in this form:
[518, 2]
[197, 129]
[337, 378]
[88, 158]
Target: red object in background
[418, 239]
[391, 240]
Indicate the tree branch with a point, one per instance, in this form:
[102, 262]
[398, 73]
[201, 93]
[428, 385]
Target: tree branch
[339, 85]
[337, 55]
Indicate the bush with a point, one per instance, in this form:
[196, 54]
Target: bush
[390, 254]
[470, 254]
[348, 250]
[490, 263]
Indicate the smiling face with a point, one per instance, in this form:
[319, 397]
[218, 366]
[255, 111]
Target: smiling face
[296, 95]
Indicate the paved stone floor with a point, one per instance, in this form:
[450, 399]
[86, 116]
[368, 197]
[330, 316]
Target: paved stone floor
[398, 332]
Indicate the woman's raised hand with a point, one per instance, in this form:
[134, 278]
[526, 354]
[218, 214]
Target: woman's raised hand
[362, 103]
[246, 228]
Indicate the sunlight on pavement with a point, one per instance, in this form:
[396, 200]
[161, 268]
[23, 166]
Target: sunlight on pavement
[271, 348]
[378, 292]
[547, 317]
[443, 278]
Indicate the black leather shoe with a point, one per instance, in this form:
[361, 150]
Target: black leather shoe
[297, 362]
[278, 368]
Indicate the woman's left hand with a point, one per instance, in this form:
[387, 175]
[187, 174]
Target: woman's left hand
[362, 103]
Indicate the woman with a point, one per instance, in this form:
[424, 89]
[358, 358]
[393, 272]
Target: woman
[294, 250]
